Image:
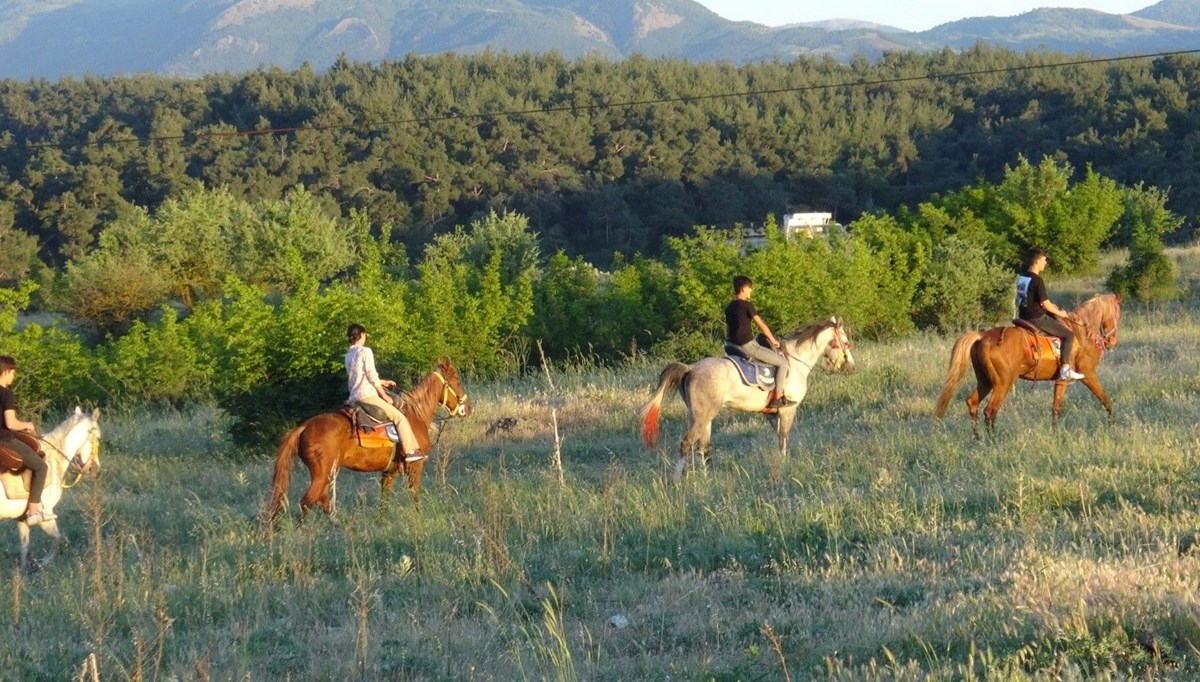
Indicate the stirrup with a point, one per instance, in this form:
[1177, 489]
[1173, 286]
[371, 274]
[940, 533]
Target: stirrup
[415, 456]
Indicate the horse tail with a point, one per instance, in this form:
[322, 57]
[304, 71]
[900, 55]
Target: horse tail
[960, 360]
[670, 378]
[283, 471]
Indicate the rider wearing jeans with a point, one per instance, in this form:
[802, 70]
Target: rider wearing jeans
[1032, 306]
[739, 314]
[9, 425]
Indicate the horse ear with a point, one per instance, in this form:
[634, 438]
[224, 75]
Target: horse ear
[78, 410]
[95, 414]
[1119, 297]
[443, 361]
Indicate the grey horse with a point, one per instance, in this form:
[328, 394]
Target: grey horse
[714, 383]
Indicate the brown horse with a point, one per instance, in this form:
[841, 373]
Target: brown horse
[1001, 355]
[326, 443]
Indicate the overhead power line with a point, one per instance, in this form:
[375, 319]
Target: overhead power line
[425, 120]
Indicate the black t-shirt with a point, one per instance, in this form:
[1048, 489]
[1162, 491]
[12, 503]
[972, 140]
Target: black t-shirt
[1031, 291]
[7, 402]
[738, 315]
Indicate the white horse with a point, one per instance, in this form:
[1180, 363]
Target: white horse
[72, 445]
[714, 383]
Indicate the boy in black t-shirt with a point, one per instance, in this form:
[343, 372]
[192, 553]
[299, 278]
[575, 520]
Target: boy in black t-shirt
[9, 424]
[739, 315]
[1033, 304]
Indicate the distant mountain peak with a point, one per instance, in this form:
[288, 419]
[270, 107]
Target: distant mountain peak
[650, 17]
[245, 10]
[53, 38]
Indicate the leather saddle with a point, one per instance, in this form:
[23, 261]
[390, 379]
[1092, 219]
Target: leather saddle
[753, 372]
[370, 426]
[13, 475]
[1042, 345]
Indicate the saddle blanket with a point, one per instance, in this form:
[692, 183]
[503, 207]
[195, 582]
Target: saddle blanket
[753, 373]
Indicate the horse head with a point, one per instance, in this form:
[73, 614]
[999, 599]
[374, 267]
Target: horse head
[454, 394]
[837, 349]
[77, 441]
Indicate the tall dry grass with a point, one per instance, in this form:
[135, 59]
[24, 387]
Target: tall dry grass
[881, 547]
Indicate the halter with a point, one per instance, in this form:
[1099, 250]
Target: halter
[460, 401]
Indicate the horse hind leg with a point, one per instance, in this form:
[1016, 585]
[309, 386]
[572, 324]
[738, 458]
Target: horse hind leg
[697, 441]
[318, 491]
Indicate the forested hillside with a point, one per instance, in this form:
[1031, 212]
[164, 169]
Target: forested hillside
[425, 143]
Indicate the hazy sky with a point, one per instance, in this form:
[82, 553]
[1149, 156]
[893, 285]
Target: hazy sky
[917, 15]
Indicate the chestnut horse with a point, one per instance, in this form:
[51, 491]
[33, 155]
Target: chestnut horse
[1001, 355]
[326, 443]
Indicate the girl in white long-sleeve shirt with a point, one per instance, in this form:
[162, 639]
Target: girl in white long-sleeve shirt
[367, 387]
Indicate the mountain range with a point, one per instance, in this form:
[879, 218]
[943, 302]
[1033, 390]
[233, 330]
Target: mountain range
[56, 38]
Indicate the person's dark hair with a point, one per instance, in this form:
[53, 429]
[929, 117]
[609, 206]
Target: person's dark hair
[741, 282]
[355, 332]
[1034, 254]
[7, 362]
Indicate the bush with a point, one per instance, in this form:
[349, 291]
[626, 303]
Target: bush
[962, 288]
[1149, 275]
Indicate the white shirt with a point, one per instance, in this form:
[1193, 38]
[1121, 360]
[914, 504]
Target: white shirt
[362, 379]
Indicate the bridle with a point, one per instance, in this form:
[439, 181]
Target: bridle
[836, 344]
[460, 400]
[75, 463]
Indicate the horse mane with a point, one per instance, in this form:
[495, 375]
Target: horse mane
[1094, 310]
[64, 428]
[424, 397]
[808, 333]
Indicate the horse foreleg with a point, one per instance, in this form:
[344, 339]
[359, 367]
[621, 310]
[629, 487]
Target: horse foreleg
[783, 424]
[1093, 384]
[23, 535]
[1060, 393]
[51, 528]
[415, 471]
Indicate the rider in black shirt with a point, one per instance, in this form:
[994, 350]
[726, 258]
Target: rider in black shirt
[9, 424]
[739, 314]
[1033, 306]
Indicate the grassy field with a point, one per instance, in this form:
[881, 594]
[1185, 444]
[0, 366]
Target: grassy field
[882, 547]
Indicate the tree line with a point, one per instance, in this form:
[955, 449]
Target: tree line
[427, 143]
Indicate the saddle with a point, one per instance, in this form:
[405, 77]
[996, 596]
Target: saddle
[1042, 346]
[752, 372]
[15, 478]
[370, 426]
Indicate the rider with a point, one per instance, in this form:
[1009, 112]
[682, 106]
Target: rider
[9, 425]
[366, 387]
[1032, 306]
[738, 315]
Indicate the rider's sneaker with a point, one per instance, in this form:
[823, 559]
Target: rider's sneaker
[38, 517]
[1068, 374]
[415, 456]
